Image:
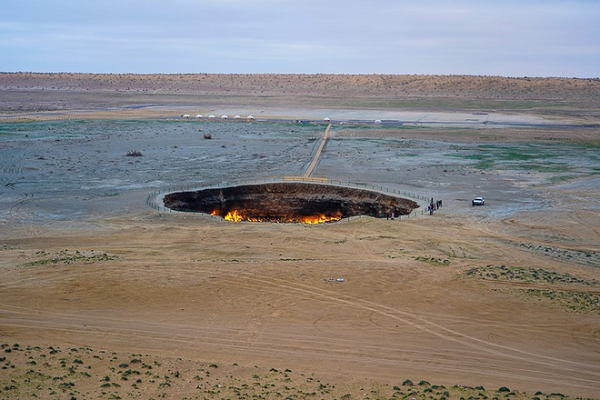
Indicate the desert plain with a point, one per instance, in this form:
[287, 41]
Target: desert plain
[104, 293]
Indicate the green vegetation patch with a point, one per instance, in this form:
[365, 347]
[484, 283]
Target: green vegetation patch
[84, 373]
[557, 294]
[574, 301]
[516, 155]
[542, 158]
[582, 257]
[433, 260]
[527, 274]
[67, 257]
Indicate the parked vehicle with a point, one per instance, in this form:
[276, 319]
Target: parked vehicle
[478, 201]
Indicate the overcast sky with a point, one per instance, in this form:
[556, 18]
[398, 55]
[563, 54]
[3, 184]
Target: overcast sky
[474, 37]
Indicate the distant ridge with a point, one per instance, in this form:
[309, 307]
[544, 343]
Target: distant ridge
[374, 90]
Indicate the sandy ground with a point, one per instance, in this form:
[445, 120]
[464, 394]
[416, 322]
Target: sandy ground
[507, 294]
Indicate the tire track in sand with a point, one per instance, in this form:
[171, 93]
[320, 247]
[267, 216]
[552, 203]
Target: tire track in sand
[306, 344]
[592, 371]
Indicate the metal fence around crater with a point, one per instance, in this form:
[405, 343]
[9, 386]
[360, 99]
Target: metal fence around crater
[154, 199]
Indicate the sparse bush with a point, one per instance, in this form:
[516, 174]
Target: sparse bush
[134, 153]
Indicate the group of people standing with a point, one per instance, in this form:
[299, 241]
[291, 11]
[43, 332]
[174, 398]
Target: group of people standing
[434, 205]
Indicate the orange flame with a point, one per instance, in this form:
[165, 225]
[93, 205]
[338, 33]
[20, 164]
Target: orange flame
[320, 219]
[237, 216]
[234, 216]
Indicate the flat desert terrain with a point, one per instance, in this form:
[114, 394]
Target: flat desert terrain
[104, 293]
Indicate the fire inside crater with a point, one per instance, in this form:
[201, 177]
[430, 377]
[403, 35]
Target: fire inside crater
[289, 202]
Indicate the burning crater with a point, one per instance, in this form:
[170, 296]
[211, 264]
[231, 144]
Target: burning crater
[288, 202]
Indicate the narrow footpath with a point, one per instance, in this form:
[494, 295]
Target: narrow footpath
[315, 159]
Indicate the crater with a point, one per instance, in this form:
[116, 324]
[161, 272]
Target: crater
[289, 202]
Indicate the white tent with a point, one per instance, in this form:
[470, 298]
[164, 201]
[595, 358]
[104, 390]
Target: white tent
[224, 116]
[199, 116]
[186, 116]
[249, 118]
[211, 116]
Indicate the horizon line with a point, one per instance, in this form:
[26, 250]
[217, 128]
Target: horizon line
[298, 73]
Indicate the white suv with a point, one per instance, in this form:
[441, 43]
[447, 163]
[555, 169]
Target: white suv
[478, 201]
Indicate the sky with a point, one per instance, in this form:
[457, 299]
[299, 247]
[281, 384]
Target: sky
[516, 38]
